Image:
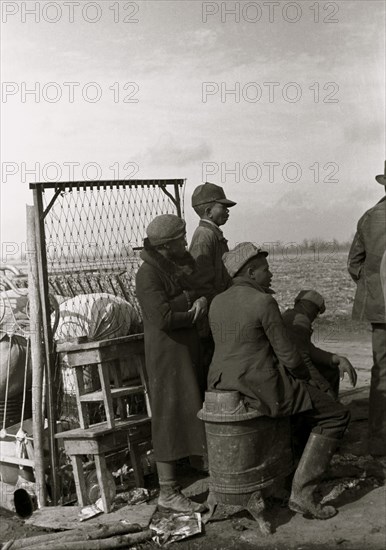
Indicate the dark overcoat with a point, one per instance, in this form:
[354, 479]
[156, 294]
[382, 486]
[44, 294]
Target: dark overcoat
[172, 353]
[253, 353]
[364, 262]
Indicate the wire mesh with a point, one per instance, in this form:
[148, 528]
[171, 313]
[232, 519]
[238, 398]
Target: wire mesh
[93, 235]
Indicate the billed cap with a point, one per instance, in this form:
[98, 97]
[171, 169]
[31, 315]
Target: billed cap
[236, 258]
[312, 296]
[209, 192]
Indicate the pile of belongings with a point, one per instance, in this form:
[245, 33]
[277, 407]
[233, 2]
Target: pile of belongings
[97, 316]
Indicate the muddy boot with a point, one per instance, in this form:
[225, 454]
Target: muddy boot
[314, 462]
[171, 498]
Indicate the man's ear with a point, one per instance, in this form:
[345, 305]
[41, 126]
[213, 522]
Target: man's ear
[251, 271]
[208, 211]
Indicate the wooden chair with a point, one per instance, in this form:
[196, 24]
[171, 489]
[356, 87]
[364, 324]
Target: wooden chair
[98, 439]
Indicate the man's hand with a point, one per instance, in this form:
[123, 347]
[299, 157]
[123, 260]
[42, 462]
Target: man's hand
[199, 308]
[345, 366]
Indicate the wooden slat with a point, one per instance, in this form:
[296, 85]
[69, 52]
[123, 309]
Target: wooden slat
[94, 355]
[71, 346]
[102, 428]
[97, 396]
[84, 418]
[104, 377]
[109, 442]
[16, 460]
[117, 377]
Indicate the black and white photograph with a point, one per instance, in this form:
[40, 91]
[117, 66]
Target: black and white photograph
[193, 274]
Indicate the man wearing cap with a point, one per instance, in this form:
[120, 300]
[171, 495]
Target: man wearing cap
[254, 356]
[171, 305]
[325, 368]
[208, 243]
[207, 248]
[364, 263]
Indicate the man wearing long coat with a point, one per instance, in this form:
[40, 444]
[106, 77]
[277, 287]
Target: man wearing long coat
[364, 264]
[170, 306]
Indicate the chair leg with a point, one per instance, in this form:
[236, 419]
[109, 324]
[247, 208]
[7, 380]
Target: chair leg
[101, 470]
[136, 464]
[80, 484]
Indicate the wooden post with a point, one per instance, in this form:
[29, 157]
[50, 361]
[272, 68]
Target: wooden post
[37, 357]
[178, 200]
[48, 340]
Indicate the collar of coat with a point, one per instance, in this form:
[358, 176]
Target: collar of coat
[241, 281]
[179, 270]
[215, 228]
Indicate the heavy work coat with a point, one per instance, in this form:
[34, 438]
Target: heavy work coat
[253, 354]
[207, 248]
[319, 362]
[172, 355]
[364, 262]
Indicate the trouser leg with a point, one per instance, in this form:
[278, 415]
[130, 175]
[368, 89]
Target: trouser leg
[170, 496]
[327, 417]
[166, 472]
[332, 375]
[328, 420]
[377, 400]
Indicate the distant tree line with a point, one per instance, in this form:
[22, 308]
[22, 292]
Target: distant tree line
[311, 245]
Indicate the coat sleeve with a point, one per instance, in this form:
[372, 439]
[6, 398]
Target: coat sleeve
[357, 254]
[156, 306]
[320, 356]
[285, 350]
[300, 331]
[202, 249]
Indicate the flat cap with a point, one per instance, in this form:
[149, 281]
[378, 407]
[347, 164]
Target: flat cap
[165, 228]
[209, 192]
[236, 258]
[312, 296]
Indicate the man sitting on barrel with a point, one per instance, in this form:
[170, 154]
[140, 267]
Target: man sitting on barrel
[254, 356]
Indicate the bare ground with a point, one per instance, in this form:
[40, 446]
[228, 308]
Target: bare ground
[360, 523]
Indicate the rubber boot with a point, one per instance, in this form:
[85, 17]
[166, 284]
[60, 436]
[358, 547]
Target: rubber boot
[314, 462]
[171, 497]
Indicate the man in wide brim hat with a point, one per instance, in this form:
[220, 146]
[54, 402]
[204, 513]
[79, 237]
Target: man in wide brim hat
[364, 265]
[382, 177]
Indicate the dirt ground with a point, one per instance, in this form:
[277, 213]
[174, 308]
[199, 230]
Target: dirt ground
[361, 521]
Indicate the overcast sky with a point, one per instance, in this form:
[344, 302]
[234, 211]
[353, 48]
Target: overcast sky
[309, 81]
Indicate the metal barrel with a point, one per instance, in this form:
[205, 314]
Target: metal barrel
[246, 452]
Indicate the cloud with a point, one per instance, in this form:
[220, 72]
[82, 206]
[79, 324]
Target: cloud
[168, 151]
[201, 37]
